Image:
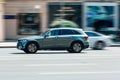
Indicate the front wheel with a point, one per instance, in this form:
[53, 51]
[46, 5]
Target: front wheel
[76, 47]
[31, 48]
[70, 50]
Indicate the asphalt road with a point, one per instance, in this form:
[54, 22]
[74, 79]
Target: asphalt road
[60, 65]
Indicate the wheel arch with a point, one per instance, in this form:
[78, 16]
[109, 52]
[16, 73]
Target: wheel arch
[38, 46]
[100, 41]
[77, 41]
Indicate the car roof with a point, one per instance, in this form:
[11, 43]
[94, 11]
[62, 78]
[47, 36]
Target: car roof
[66, 28]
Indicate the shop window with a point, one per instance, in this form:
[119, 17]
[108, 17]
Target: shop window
[100, 16]
[28, 23]
[71, 11]
[119, 16]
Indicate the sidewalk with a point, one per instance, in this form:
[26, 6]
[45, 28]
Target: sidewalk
[8, 44]
[14, 44]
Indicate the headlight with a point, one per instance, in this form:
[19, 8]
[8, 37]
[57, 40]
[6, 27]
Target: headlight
[24, 41]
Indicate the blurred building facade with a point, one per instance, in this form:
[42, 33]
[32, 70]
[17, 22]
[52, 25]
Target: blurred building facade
[21, 18]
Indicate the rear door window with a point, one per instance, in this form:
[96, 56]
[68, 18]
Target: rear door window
[66, 32]
[76, 32]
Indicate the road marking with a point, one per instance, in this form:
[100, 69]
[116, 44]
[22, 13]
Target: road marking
[69, 73]
[74, 64]
[53, 58]
[62, 55]
[65, 57]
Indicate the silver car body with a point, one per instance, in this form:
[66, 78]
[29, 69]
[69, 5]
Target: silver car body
[95, 37]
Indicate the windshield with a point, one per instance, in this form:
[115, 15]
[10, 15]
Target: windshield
[44, 33]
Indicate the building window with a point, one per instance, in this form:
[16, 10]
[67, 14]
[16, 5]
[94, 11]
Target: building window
[100, 16]
[65, 10]
[28, 23]
[119, 16]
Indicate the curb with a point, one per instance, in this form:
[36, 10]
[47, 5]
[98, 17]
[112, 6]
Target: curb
[117, 45]
[7, 46]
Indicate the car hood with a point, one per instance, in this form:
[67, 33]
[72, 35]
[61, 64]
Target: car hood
[32, 37]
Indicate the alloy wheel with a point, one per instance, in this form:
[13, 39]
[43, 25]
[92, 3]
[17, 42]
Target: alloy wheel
[32, 48]
[76, 47]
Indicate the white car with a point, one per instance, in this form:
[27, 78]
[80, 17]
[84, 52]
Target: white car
[97, 40]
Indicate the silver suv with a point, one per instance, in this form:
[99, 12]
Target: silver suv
[74, 40]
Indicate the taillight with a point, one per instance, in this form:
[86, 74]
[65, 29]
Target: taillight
[110, 38]
[86, 37]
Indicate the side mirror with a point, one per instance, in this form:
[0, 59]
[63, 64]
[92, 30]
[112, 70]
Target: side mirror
[46, 36]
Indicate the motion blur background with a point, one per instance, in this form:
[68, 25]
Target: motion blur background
[21, 18]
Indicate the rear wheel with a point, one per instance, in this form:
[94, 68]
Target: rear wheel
[76, 47]
[31, 48]
[99, 46]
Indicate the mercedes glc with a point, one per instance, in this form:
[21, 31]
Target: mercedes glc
[74, 40]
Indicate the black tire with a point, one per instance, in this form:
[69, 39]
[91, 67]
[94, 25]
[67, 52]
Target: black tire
[25, 51]
[70, 50]
[99, 46]
[76, 47]
[31, 48]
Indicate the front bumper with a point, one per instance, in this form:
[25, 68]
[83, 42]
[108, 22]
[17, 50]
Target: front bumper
[21, 45]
